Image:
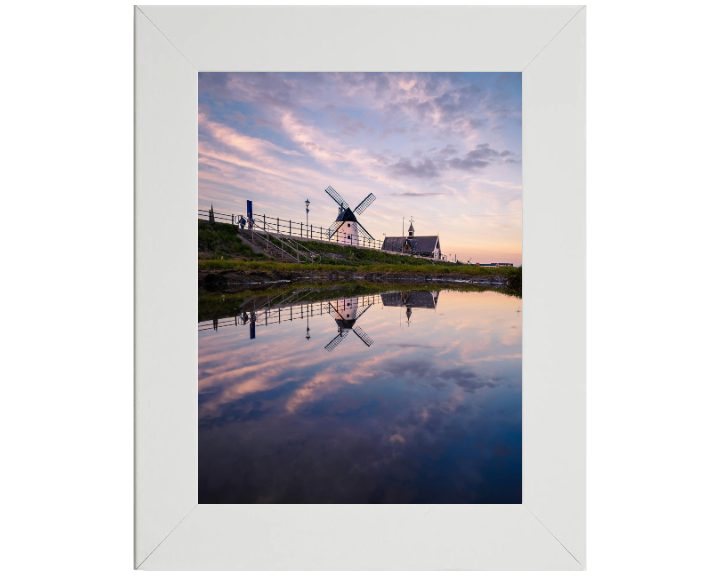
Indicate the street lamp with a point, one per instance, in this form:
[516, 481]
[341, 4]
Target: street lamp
[307, 211]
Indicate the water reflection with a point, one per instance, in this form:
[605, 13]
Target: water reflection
[420, 405]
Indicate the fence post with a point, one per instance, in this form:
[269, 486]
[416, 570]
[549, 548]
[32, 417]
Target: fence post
[300, 229]
[278, 225]
[311, 232]
[264, 224]
[290, 233]
[233, 219]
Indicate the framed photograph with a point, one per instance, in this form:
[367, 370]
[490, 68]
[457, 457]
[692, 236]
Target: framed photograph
[352, 375]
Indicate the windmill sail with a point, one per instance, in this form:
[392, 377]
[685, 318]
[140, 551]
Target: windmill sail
[334, 228]
[364, 204]
[346, 314]
[364, 232]
[360, 333]
[335, 196]
[346, 228]
[360, 311]
[335, 341]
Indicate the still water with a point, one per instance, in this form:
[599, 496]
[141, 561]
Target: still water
[319, 396]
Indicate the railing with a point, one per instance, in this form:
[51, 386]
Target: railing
[304, 231]
[285, 311]
[285, 245]
[266, 316]
[301, 251]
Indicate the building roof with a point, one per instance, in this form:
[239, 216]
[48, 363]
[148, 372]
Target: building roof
[393, 243]
[418, 244]
[423, 244]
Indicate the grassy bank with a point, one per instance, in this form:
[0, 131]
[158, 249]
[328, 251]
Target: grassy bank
[428, 269]
[221, 242]
[344, 255]
[339, 254]
[512, 276]
[219, 248]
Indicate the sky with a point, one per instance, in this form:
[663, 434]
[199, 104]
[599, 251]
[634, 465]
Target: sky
[442, 148]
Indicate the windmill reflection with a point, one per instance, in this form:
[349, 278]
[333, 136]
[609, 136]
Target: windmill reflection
[265, 311]
[346, 313]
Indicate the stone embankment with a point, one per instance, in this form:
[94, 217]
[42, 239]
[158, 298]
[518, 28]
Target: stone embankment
[212, 280]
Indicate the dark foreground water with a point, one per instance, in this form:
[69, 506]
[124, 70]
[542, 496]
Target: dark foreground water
[396, 397]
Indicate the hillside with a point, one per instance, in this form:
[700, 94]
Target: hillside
[221, 242]
[340, 254]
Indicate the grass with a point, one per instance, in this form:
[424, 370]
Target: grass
[352, 256]
[217, 305]
[358, 256]
[222, 243]
[428, 269]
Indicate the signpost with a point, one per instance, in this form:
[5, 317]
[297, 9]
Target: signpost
[250, 221]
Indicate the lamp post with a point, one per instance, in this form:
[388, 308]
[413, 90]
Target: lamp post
[307, 212]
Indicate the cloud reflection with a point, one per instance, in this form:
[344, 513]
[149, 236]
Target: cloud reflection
[408, 419]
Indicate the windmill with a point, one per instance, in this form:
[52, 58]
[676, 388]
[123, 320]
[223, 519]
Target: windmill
[346, 226]
[346, 313]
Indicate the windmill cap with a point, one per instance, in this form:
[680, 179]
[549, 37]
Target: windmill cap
[346, 216]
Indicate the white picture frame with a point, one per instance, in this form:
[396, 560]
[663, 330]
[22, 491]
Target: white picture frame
[545, 532]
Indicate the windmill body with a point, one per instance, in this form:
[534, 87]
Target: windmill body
[346, 312]
[346, 229]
